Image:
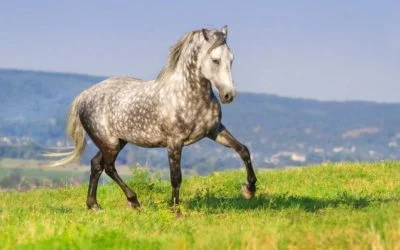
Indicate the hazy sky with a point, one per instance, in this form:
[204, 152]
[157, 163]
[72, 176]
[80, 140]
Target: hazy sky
[341, 50]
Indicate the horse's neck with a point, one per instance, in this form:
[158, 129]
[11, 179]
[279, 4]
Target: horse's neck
[186, 79]
[187, 89]
[187, 83]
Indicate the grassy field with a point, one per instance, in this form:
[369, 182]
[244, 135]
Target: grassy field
[341, 206]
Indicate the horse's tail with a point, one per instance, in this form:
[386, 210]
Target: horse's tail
[76, 133]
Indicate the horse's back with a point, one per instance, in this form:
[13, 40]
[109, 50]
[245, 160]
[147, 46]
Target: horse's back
[109, 89]
[120, 108]
[114, 84]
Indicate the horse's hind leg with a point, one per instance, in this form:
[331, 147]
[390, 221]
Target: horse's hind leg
[96, 168]
[224, 137]
[109, 157]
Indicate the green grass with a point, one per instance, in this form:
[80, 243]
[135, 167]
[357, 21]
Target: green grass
[341, 206]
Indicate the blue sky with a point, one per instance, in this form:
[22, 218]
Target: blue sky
[327, 50]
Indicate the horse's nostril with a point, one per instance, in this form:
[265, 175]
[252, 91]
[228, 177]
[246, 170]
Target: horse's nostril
[228, 97]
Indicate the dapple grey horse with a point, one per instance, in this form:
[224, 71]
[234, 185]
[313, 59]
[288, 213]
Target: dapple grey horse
[176, 109]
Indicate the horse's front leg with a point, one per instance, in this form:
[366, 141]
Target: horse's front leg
[224, 137]
[174, 157]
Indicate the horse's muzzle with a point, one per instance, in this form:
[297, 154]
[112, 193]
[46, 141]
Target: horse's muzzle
[228, 96]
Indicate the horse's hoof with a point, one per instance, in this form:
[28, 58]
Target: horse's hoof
[133, 205]
[176, 210]
[95, 207]
[246, 192]
[179, 215]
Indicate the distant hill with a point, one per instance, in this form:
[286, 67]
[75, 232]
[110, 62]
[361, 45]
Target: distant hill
[279, 130]
[37, 94]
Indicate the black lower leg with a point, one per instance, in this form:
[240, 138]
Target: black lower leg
[95, 172]
[130, 195]
[174, 156]
[224, 137]
[244, 153]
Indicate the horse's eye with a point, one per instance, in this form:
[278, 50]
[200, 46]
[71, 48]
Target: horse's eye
[216, 61]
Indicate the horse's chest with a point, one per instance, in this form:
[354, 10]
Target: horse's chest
[189, 120]
[200, 122]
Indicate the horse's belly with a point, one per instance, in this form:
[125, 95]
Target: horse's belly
[193, 140]
[145, 138]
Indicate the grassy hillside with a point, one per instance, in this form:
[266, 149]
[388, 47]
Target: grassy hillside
[342, 206]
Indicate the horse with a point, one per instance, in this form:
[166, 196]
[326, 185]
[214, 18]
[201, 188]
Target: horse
[176, 109]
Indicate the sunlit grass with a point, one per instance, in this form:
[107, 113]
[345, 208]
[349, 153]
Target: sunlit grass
[341, 206]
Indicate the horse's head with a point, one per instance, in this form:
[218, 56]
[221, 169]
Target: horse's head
[216, 64]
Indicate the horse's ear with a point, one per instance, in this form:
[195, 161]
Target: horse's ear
[224, 30]
[205, 34]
